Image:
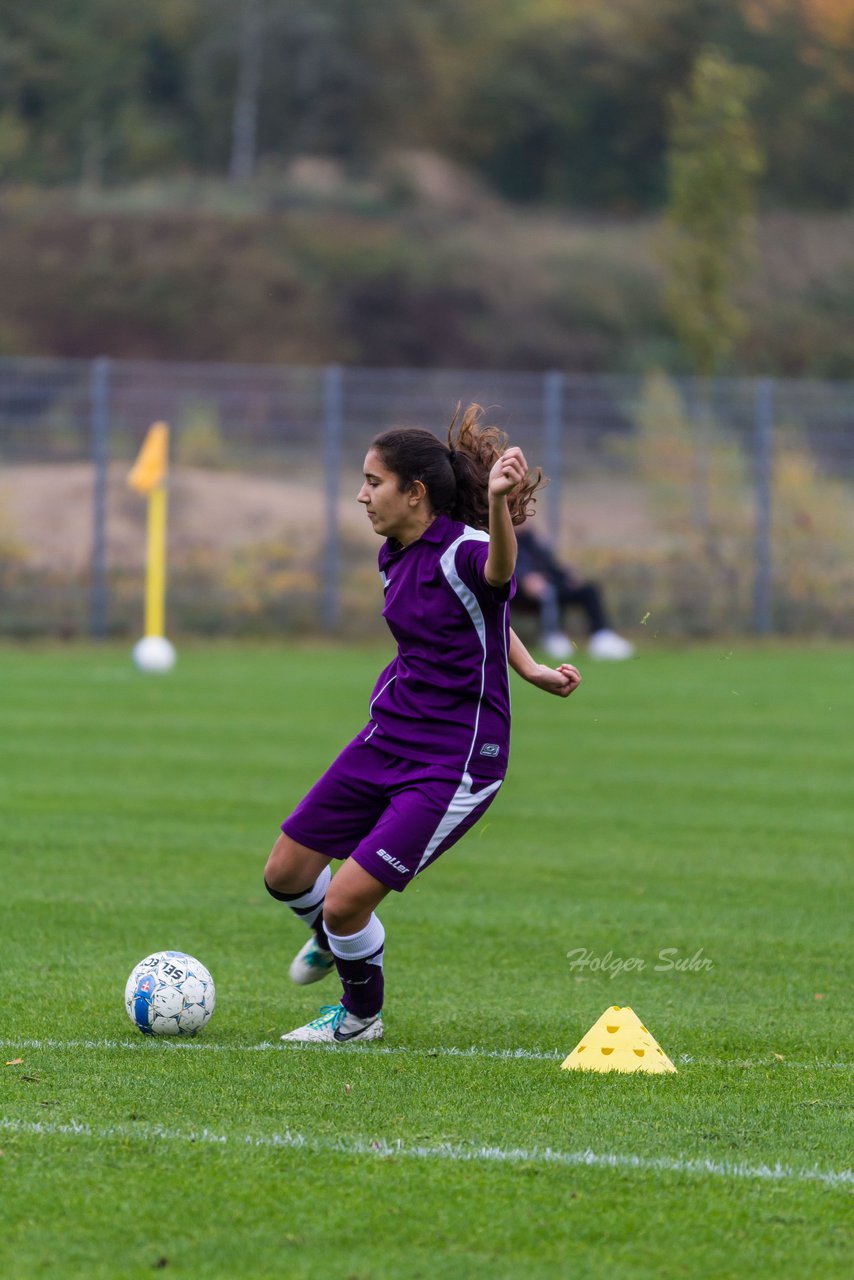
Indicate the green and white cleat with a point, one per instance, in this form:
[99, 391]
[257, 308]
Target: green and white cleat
[336, 1025]
[311, 963]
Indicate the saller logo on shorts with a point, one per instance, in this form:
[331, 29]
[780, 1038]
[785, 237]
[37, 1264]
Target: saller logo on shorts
[392, 862]
[490, 749]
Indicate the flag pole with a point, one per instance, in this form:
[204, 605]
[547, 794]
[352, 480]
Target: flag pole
[149, 476]
[155, 564]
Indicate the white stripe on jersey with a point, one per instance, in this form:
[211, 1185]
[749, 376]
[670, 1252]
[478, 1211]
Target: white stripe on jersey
[470, 604]
[373, 700]
[464, 801]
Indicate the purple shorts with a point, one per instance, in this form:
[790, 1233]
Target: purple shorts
[393, 816]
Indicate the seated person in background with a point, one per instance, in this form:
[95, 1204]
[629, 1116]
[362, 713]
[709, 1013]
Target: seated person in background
[545, 585]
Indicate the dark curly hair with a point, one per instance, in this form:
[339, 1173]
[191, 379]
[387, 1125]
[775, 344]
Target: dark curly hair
[456, 474]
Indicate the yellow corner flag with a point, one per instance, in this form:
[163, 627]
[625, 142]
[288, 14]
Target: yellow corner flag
[148, 476]
[618, 1042]
[152, 465]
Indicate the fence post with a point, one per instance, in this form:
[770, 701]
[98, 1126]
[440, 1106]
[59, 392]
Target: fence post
[552, 465]
[553, 387]
[763, 450]
[332, 425]
[99, 400]
[701, 425]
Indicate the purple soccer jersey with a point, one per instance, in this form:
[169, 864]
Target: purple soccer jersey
[432, 757]
[445, 698]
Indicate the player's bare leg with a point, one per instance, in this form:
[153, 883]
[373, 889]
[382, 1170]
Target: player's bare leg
[351, 899]
[291, 867]
[356, 940]
[299, 877]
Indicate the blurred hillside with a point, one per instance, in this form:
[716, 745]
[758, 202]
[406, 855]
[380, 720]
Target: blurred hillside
[416, 266]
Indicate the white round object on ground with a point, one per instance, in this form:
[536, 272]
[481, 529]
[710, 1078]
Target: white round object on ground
[170, 994]
[611, 647]
[154, 653]
[557, 645]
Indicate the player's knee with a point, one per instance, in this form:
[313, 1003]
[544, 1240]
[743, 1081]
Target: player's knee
[340, 916]
[351, 897]
[272, 879]
[273, 872]
[280, 872]
[343, 910]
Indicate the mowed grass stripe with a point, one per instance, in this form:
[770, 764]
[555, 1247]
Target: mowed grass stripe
[382, 1148]
[374, 1050]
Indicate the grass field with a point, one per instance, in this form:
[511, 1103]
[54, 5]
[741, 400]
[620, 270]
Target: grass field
[696, 802]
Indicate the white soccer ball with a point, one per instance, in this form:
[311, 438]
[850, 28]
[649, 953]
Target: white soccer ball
[154, 654]
[170, 994]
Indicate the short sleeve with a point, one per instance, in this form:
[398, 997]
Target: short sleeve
[471, 556]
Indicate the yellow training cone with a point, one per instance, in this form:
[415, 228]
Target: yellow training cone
[618, 1042]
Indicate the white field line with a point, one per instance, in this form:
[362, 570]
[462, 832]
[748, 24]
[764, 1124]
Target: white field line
[352, 1146]
[181, 1045]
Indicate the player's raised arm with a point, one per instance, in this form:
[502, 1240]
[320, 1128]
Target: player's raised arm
[562, 680]
[508, 474]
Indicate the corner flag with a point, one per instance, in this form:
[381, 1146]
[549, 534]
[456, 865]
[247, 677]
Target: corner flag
[148, 476]
[152, 465]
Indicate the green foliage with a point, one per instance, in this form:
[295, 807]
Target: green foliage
[697, 575]
[558, 100]
[13, 552]
[566, 106]
[97, 87]
[813, 526]
[199, 441]
[693, 572]
[713, 166]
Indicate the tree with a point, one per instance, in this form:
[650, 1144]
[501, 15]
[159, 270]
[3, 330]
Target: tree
[93, 90]
[714, 163]
[245, 120]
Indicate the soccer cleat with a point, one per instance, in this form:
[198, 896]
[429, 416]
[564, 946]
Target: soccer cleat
[352, 1027]
[609, 646]
[311, 963]
[336, 1025]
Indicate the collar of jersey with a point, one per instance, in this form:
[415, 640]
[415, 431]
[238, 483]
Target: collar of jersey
[434, 532]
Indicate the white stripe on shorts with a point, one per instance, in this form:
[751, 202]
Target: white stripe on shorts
[463, 803]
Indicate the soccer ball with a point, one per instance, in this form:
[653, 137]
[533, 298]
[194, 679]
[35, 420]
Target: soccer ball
[169, 994]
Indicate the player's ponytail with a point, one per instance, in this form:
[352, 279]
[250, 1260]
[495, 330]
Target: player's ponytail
[456, 475]
[474, 449]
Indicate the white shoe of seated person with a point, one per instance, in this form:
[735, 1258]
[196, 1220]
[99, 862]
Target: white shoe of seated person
[557, 645]
[609, 646]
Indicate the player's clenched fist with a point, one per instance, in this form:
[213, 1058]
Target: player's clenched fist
[508, 472]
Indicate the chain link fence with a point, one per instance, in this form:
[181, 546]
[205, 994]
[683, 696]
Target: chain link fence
[702, 508]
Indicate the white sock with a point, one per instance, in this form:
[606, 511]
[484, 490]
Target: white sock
[309, 905]
[367, 944]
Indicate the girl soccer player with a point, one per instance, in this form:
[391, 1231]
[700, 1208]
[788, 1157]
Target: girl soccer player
[434, 752]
